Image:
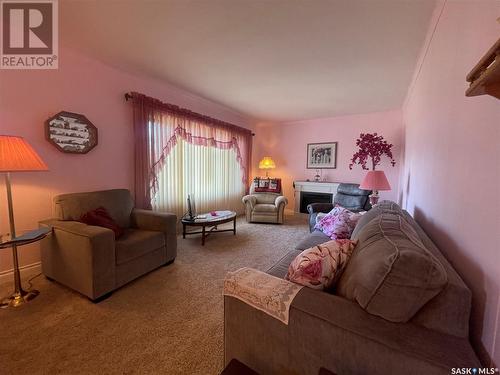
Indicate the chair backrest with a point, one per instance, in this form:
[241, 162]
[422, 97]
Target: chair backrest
[118, 202]
[352, 197]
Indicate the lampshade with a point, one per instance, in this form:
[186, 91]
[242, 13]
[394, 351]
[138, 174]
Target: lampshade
[375, 180]
[267, 163]
[17, 155]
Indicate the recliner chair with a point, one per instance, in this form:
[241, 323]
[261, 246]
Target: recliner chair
[264, 207]
[349, 196]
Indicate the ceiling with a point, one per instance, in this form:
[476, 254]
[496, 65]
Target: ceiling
[277, 60]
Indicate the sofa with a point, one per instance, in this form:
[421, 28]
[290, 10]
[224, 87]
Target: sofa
[348, 195]
[264, 207]
[88, 258]
[350, 331]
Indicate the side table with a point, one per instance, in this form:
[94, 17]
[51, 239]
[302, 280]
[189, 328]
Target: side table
[21, 296]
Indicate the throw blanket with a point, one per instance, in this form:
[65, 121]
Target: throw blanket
[264, 292]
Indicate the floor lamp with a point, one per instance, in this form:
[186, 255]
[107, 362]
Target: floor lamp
[16, 155]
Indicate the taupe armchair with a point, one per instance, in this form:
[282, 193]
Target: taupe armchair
[88, 259]
[264, 207]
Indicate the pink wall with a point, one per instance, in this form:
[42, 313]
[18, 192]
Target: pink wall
[286, 143]
[82, 85]
[451, 177]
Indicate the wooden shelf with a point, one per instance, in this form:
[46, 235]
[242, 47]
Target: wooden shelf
[484, 78]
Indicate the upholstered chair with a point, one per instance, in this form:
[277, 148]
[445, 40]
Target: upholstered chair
[348, 195]
[264, 207]
[89, 259]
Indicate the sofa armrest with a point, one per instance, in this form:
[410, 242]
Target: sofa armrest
[281, 200]
[250, 200]
[152, 220]
[319, 207]
[80, 256]
[329, 331]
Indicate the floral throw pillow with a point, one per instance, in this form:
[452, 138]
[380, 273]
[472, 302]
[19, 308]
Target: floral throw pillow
[320, 266]
[338, 223]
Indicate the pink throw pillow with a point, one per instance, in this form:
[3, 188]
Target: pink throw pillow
[338, 223]
[319, 267]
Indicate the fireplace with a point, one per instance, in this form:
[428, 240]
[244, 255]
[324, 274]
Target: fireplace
[312, 197]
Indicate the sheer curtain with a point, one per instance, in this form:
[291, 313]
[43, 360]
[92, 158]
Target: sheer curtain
[179, 152]
[211, 174]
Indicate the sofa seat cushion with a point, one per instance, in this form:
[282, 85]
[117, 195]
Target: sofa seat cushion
[135, 243]
[312, 239]
[265, 208]
[280, 269]
[391, 274]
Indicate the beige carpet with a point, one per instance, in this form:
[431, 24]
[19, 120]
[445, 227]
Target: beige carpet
[167, 322]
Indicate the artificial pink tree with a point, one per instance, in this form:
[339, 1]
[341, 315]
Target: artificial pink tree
[372, 146]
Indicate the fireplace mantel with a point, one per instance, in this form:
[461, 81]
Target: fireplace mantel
[313, 187]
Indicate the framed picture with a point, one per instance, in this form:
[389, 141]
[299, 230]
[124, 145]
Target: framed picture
[71, 132]
[322, 155]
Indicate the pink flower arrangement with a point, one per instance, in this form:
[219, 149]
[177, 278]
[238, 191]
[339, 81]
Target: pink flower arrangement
[371, 146]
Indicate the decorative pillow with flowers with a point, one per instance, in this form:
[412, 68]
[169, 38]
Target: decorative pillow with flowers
[338, 223]
[319, 267]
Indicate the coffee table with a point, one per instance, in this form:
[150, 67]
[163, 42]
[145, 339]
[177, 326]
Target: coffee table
[209, 221]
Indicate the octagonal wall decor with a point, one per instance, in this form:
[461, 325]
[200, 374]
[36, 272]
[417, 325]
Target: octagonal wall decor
[71, 132]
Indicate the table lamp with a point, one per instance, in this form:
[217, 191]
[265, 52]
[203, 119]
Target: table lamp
[16, 155]
[267, 163]
[375, 180]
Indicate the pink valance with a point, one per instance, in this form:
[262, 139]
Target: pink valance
[157, 128]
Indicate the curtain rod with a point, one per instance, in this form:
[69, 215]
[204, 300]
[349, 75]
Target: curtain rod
[129, 96]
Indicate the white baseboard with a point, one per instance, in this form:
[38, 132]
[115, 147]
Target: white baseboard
[27, 270]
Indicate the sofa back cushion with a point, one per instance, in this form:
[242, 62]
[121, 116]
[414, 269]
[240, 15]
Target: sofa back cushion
[391, 274]
[118, 202]
[384, 206]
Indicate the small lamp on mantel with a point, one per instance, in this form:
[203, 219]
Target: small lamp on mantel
[267, 163]
[16, 155]
[375, 181]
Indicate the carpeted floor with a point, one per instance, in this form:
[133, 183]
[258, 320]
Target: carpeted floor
[167, 322]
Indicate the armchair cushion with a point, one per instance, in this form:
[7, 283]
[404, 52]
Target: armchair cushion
[263, 207]
[136, 243]
[266, 198]
[118, 202]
